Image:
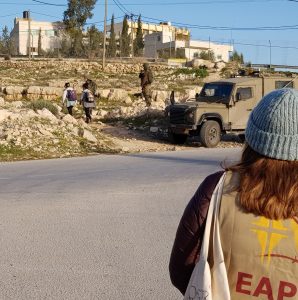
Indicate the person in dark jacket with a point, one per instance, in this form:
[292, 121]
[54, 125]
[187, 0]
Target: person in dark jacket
[146, 77]
[258, 216]
[92, 86]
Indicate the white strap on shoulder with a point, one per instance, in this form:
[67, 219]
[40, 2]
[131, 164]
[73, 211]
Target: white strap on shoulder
[213, 209]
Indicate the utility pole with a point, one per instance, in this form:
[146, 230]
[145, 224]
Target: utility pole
[209, 54]
[170, 45]
[120, 45]
[270, 52]
[104, 36]
[58, 42]
[29, 37]
[131, 20]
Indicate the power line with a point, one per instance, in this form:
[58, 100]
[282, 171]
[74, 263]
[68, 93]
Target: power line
[37, 13]
[224, 28]
[248, 44]
[47, 3]
[158, 3]
[99, 22]
[89, 23]
[16, 3]
[193, 26]
[201, 2]
[122, 7]
[8, 15]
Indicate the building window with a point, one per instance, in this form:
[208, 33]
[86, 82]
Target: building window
[282, 84]
[158, 38]
[244, 93]
[49, 33]
[219, 56]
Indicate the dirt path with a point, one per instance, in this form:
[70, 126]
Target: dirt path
[129, 140]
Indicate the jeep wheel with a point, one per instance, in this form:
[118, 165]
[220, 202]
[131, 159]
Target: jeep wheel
[176, 138]
[210, 134]
[241, 137]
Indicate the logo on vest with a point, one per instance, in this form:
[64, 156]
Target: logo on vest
[270, 233]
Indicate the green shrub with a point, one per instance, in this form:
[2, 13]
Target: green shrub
[207, 55]
[199, 72]
[40, 104]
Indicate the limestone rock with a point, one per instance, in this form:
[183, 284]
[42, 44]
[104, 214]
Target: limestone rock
[45, 113]
[53, 91]
[45, 132]
[69, 119]
[4, 114]
[154, 129]
[219, 65]
[102, 113]
[117, 94]
[127, 100]
[160, 96]
[16, 104]
[103, 93]
[89, 136]
[14, 90]
[197, 63]
[37, 90]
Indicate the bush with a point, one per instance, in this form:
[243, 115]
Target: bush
[199, 72]
[207, 55]
[238, 57]
[40, 104]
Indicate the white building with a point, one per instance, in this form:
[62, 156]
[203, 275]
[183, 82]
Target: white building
[167, 41]
[149, 28]
[27, 30]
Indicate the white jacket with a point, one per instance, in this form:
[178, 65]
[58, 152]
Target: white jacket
[64, 98]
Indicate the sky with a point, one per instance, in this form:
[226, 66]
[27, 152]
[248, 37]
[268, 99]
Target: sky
[240, 23]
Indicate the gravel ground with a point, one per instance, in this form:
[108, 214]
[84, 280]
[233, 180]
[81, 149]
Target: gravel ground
[130, 140]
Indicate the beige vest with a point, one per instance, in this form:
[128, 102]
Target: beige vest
[261, 255]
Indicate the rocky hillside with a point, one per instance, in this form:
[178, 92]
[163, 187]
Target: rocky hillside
[35, 125]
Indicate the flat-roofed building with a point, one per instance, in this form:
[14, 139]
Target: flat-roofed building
[27, 31]
[148, 28]
[157, 42]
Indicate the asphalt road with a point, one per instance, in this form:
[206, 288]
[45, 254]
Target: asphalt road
[100, 227]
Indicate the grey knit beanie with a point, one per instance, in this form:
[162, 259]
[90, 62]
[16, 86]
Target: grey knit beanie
[272, 128]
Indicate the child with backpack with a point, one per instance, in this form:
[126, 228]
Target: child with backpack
[88, 102]
[70, 97]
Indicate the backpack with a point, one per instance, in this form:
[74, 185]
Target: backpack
[71, 95]
[150, 77]
[88, 97]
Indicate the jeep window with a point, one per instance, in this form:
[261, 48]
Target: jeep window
[215, 92]
[282, 84]
[244, 93]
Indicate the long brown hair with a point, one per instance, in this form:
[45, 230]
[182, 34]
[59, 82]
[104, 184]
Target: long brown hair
[268, 187]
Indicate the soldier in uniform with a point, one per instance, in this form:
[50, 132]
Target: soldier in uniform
[92, 86]
[146, 77]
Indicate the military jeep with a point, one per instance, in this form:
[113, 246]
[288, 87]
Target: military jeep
[221, 107]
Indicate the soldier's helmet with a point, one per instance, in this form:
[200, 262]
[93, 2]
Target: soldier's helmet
[146, 66]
